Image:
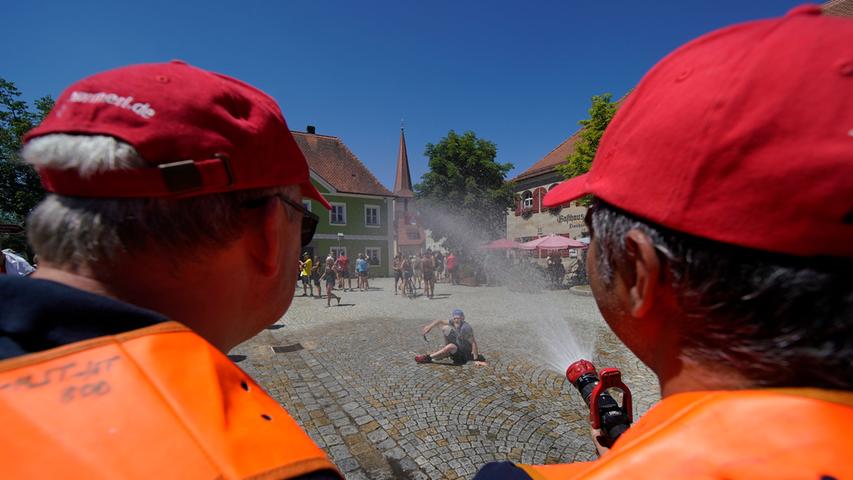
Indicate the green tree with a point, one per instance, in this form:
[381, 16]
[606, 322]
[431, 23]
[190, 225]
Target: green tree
[464, 195]
[20, 188]
[600, 114]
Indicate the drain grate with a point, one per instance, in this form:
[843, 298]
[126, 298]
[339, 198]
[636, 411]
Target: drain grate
[287, 348]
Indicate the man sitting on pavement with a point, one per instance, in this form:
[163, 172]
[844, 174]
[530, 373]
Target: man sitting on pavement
[722, 246]
[460, 344]
[175, 196]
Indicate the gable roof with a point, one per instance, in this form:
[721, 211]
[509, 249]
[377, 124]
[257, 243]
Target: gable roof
[332, 161]
[558, 155]
[552, 159]
[840, 8]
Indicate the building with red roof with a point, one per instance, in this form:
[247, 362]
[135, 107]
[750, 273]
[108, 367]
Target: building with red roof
[360, 220]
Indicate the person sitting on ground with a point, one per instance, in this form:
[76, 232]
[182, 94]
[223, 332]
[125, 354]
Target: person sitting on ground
[305, 267]
[175, 195]
[361, 268]
[721, 252]
[331, 277]
[460, 344]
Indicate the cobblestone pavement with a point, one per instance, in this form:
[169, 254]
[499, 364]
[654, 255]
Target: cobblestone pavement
[356, 390]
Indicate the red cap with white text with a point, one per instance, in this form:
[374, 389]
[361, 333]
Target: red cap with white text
[201, 133]
[742, 136]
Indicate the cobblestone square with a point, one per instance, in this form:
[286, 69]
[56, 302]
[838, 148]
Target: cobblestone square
[355, 388]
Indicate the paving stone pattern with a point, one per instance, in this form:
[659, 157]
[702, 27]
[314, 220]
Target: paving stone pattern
[356, 390]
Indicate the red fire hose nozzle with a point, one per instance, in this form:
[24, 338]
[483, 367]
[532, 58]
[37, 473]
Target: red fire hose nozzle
[579, 368]
[609, 378]
[604, 412]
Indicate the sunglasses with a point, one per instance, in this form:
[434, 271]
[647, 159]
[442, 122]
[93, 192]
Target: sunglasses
[309, 219]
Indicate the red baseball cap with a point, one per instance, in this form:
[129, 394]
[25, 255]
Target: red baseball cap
[742, 136]
[201, 132]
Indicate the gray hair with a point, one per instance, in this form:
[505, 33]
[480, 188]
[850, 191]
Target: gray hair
[75, 231]
[779, 320]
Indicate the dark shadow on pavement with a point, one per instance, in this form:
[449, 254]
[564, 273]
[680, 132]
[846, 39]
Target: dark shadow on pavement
[236, 358]
[275, 326]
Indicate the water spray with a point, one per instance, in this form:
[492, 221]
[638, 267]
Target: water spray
[604, 412]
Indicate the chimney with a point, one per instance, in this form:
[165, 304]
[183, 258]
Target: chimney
[311, 129]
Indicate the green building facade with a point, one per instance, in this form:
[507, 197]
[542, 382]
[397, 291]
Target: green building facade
[361, 217]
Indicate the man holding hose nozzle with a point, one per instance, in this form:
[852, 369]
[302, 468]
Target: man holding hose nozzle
[722, 245]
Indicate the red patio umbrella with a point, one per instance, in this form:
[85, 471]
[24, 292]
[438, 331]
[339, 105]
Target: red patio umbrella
[552, 242]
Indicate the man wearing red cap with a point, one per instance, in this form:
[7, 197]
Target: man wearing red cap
[722, 246]
[175, 196]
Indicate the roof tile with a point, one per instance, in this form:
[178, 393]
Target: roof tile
[330, 158]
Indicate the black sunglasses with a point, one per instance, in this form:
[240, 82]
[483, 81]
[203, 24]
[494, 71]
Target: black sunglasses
[309, 218]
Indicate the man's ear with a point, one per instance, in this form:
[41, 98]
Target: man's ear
[644, 261]
[264, 240]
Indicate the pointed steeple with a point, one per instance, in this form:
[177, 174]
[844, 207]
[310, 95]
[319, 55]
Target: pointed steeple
[403, 183]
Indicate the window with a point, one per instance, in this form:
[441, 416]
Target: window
[374, 255]
[307, 204]
[527, 200]
[337, 251]
[338, 214]
[371, 216]
[413, 235]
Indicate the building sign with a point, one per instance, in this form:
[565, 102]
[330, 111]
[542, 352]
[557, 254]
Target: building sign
[570, 218]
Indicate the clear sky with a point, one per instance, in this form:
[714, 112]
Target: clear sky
[518, 73]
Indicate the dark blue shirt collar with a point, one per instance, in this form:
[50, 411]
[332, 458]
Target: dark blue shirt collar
[37, 315]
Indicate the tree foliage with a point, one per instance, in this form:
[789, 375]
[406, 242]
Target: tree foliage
[600, 114]
[464, 195]
[20, 188]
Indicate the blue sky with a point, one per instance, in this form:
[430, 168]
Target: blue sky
[520, 74]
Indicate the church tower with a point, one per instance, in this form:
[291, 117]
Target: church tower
[410, 237]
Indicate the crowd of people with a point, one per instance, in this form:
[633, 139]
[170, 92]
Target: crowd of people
[422, 271]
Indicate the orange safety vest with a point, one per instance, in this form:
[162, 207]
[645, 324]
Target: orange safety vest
[752, 434]
[158, 402]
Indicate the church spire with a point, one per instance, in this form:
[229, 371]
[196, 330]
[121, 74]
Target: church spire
[403, 183]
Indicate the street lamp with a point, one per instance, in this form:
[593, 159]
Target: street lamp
[340, 237]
